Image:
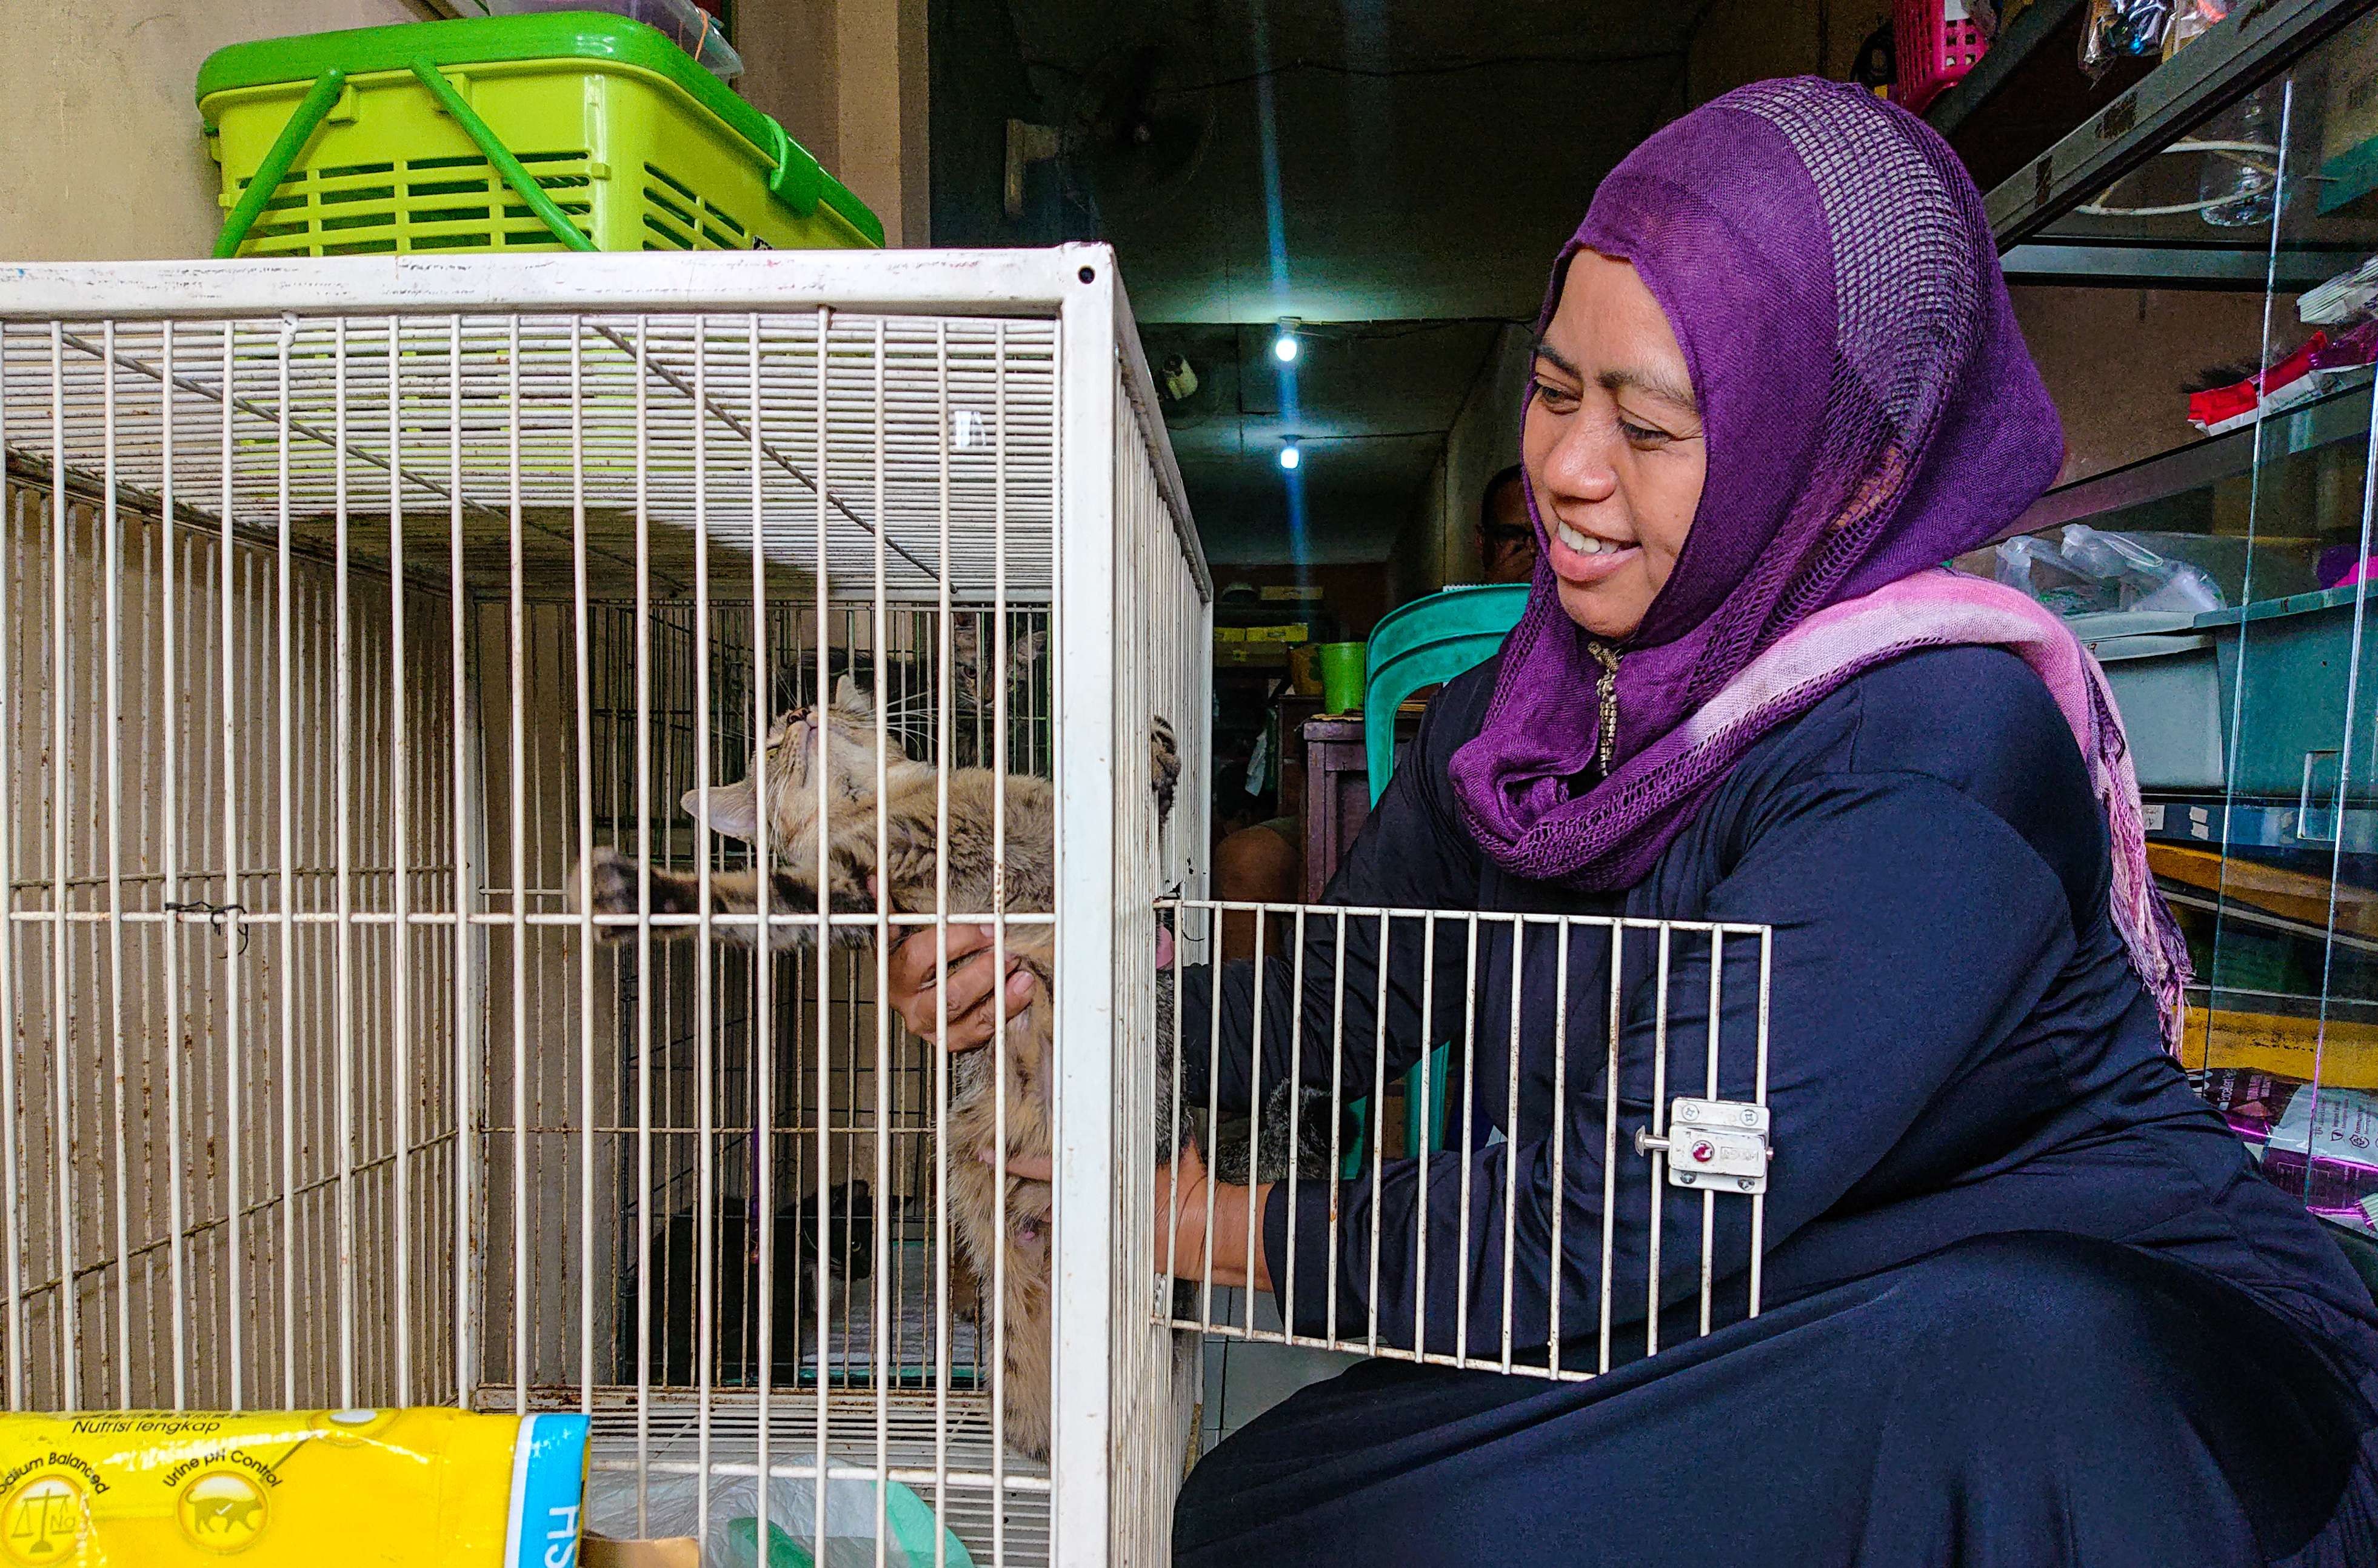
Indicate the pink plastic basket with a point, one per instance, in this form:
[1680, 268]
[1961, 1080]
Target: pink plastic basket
[1934, 48]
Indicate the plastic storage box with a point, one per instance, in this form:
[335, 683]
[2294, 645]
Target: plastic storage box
[1935, 43]
[2183, 683]
[2165, 678]
[571, 131]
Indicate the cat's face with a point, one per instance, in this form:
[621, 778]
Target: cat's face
[972, 692]
[798, 743]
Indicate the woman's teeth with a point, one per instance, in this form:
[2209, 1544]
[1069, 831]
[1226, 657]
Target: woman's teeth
[1583, 544]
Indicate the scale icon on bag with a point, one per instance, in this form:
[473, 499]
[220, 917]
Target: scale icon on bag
[43, 1522]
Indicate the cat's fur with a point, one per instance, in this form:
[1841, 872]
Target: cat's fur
[908, 864]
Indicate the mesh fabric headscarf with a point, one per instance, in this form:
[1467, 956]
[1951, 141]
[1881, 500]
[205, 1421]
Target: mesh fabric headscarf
[1868, 410]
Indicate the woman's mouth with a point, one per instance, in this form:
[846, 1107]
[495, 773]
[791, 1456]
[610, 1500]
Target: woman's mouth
[1580, 557]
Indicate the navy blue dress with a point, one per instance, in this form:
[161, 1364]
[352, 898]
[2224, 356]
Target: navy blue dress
[2025, 1300]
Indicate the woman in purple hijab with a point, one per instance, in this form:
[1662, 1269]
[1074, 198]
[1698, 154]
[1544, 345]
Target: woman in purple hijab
[2026, 1300]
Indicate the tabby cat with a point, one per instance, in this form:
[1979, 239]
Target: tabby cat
[906, 864]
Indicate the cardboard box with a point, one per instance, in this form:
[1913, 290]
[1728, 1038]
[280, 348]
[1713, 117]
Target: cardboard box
[2348, 120]
[601, 1552]
[1251, 655]
[1297, 632]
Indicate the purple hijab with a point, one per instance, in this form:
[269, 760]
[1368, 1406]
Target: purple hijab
[1869, 410]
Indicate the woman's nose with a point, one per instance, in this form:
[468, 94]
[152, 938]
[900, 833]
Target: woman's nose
[1578, 467]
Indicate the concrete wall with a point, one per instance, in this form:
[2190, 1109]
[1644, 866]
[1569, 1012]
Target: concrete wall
[2115, 359]
[1438, 544]
[848, 79]
[790, 70]
[101, 159]
[1746, 40]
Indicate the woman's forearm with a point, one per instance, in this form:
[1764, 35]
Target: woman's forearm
[1230, 1255]
[1238, 1248]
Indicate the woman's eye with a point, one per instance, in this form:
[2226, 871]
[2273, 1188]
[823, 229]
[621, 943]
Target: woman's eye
[1641, 435]
[1558, 396]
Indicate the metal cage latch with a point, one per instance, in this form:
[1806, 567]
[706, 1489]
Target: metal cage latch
[1715, 1145]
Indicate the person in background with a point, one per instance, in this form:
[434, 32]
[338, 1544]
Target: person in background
[1258, 859]
[1507, 540]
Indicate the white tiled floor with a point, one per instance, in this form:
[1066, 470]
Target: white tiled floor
[1243, 1381]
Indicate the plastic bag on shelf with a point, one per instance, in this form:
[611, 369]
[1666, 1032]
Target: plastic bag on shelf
[2036, 567]
[2192, 19]
[2091, 571]
[674, 1508]
[2114, 29]
[686, 24]
[2144, 580]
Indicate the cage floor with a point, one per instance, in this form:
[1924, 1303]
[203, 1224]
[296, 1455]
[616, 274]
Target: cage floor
[917, 1326]
[953, 1477]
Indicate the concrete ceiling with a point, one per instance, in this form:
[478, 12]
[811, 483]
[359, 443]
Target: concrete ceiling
[1371, 406]
[1397, 174]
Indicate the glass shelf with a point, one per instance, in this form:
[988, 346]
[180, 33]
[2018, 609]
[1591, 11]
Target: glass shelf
[2308, 461]
[2176, 233]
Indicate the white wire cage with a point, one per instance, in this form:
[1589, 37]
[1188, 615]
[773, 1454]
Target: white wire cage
[354, 611]
[1576, 1173]
[358, 612]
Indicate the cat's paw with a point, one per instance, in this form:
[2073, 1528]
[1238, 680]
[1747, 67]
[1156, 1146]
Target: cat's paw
[608, 881]
[612, 880]
[1164, 760]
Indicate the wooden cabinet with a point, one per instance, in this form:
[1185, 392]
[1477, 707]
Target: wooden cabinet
[1338, 790]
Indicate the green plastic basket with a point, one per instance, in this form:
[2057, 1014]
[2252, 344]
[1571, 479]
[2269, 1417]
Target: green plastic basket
[571, 131]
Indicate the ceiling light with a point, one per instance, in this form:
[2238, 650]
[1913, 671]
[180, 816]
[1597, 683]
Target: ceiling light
[1289, 455]
[1284, 346]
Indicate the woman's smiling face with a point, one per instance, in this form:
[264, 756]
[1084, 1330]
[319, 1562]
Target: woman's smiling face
[1612, 445]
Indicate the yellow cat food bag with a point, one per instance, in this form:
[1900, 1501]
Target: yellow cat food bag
[321, 1489]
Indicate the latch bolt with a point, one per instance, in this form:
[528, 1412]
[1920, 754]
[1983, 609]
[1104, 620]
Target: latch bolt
[1713, 1146]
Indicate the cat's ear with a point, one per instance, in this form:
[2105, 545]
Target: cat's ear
[734, 810]
[1025, 652]
[851, 700]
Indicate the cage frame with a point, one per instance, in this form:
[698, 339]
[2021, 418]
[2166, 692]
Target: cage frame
[1102, 380]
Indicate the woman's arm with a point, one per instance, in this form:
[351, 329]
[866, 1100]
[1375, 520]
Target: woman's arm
[1913, 931]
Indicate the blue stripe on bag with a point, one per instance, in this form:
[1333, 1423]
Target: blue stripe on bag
[549, 1492]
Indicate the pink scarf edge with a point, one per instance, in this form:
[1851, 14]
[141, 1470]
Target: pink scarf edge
[1940, 608]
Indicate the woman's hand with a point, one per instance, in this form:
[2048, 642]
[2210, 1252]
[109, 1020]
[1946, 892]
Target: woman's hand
[916, 984]
[1180, 1222]
[917, 987]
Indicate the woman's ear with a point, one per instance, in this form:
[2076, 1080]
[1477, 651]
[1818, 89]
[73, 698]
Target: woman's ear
[734, 810]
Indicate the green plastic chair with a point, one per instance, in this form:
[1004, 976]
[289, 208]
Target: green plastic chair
[1424, 644]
